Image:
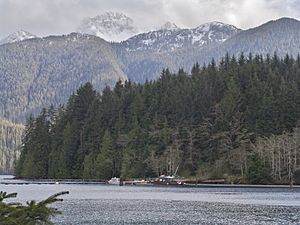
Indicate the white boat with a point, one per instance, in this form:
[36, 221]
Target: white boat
[114, 181]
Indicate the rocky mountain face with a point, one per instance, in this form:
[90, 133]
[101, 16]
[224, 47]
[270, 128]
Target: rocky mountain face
[17, 36]
[111, 26]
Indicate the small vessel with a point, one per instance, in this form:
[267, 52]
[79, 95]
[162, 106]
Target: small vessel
[114, 181]
[167, 180]
[136, 182]
[141, 182]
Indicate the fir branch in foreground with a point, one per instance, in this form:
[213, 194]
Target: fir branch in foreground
[31, 213]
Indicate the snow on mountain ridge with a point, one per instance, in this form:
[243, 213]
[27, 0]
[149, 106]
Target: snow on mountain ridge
[117, 27]
[173, 39]
[17, 36]
[111, 26]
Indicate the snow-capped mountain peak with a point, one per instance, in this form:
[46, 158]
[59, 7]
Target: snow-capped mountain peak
[17, 36]
[169, 26]
[111, 26]
[213, 26]
[172, 39]
[213, 32]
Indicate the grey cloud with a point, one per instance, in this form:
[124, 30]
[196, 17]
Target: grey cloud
[44, 17]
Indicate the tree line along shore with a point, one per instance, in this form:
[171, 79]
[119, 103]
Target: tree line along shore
[237, 120]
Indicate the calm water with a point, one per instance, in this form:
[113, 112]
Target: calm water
[104, 204]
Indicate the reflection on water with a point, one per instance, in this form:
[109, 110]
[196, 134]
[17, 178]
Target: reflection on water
[104, 204]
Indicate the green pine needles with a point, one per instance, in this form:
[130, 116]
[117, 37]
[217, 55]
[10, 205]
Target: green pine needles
[32, 213]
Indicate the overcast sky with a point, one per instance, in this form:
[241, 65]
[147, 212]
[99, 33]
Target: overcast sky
[44, 17]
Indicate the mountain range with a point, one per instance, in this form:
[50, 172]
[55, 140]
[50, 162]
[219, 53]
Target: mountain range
[37, 72]
[171, 38]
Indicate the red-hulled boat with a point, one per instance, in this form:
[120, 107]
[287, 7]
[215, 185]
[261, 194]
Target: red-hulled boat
[166, 180]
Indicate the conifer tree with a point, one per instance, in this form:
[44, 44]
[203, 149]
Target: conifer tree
[105, 161]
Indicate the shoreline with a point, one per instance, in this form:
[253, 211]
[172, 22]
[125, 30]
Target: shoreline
[14, 181]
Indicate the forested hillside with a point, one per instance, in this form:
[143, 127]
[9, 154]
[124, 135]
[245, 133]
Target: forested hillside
[10, 144]
[236, 120]
[38, 72]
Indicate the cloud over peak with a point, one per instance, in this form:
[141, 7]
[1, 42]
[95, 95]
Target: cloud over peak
[44, 17]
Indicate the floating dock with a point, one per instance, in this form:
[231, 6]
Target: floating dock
[50, 181]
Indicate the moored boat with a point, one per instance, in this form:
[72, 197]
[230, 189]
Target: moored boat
[167, 180]
[114, 181]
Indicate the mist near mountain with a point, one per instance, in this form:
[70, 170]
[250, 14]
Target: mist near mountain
[111, 26]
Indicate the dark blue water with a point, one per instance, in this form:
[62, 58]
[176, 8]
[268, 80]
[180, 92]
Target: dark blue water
[104, 204]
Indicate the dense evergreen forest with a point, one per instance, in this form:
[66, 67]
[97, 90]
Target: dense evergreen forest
[237, 120]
